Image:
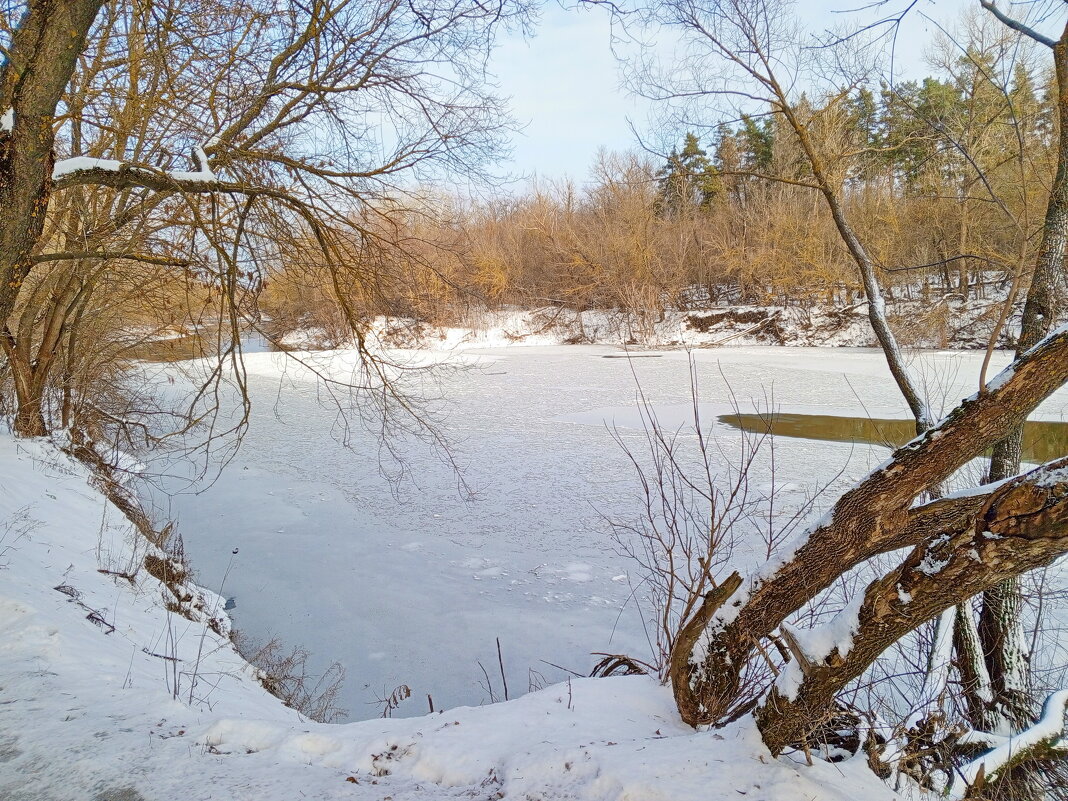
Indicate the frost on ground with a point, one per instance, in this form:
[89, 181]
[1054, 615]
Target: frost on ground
[106, 695]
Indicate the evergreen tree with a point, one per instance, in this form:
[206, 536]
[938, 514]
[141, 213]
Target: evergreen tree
[758, 143]
[688, 180]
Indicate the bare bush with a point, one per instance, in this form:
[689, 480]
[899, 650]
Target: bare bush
[699, 504]
[14, 529]
[285, 673]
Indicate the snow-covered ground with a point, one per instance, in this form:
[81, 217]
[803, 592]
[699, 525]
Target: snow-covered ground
[934, 321]
[106, 696]
[411, 584]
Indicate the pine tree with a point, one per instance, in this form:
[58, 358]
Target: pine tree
[688, 180]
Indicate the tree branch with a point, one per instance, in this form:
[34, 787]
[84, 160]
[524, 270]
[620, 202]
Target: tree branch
[104, 255]
[1022, 525]
[1015, 24]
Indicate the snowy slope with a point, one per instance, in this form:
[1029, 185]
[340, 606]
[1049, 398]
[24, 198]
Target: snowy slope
[91, 712]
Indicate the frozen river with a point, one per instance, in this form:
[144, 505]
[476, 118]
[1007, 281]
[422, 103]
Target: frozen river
[412, 584]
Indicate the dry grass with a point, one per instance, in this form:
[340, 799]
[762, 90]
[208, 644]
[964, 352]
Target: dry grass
[286, 674]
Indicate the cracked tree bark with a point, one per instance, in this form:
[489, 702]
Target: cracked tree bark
[1022, 525]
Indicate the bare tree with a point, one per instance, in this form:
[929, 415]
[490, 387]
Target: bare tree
[303, 122]
[1000, 627]
[957, 546]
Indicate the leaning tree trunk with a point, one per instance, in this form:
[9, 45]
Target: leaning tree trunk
[1019, 526]
[871, 519]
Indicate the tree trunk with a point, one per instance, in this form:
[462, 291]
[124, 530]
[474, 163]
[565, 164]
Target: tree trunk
[29, 417]
[1002, 636]
[29, 411]
[1020, 526]
[872, 518]
[974, 676]
[1000, 626]
[33, 77]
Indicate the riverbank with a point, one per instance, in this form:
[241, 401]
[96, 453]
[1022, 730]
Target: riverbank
[942, 322]
[109, 695]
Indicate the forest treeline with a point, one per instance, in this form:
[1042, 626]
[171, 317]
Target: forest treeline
[945, 179]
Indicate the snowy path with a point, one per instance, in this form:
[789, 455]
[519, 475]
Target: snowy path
[414, 587]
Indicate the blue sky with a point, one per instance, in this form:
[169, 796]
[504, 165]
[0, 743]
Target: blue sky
[565, 82]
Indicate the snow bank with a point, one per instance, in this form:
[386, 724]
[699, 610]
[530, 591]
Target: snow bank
[108, 695]
[947, 323]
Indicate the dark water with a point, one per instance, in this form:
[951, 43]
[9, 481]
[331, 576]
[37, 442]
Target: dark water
[1042, 441]
[169, 350]
[190, 346]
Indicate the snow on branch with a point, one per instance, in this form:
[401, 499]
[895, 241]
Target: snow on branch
[203, 171]
[1045, 736]
[66, 167]
[70, 171]
[813, 647]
